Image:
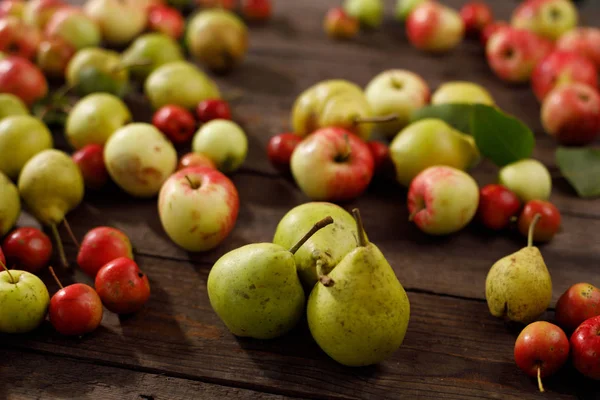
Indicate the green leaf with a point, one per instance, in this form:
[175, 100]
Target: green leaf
[456, 115]
[501, 138]
[581, 168]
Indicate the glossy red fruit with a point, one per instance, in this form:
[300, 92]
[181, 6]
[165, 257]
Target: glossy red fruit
[90, 160]
[547, 226]
[177, 123]
[256, 10]
[195, 160]
[100, 246]
[75, 310]
[210, 109]
[490, 29]
[339, 25]
[18, 39]
[497, 205]
[280, 149]
[167, 20]
[122, 286]
[476, 15]
[585, 346]
[53, 56]
[577, 304]
[381, 155]
[22, 78]
[541, 349]
[27, 249]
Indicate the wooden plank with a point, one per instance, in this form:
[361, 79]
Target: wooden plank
[33, 376]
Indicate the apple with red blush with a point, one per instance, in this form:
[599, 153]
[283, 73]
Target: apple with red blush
[90, 160]
[22, 78]
[37, 13]
[434, 27]
[577, 304]
[584, 41]
[490, 29]
[476, 15]
[122, 286]
[547, 18]
[585, 348]
[53, 56]
[280, 149]
[18, 39]
[12, 8]
[497, 206]
[339, 25]
[28, 249]
[100, 246]
[195, 160]
[167, 20]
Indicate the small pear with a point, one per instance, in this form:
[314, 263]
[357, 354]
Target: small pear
[358, 314]
[10, 204]
[518, 286]
[326, 248]
[255, 289]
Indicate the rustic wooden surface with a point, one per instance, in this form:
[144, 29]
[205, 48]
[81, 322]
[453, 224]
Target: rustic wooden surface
[176, 347]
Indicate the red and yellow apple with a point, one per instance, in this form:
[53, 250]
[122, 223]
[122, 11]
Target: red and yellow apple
[434, 27]
[548, 18]
[584, 41]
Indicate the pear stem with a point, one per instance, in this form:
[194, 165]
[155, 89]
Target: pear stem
[55, 277]
[376, 120]
[70, 232]
[12, 279]
[126, 65]
[362, 238]
[536, 218]
[324, 279]
[316, 227]
[61, 250]
[539, 378]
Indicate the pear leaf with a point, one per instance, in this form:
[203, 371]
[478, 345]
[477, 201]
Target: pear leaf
[456, 115]
[501, 138]
[581, 168]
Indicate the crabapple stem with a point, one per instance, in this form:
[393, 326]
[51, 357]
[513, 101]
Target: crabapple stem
[55, 277]
[61, 250]
[316, 227]
[539, 378]
[536, 218]
[70, 232]
[12, 279]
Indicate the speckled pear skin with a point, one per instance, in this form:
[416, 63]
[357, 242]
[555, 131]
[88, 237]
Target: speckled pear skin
[256, 292]
[328, 246]
[362, 319]
[519, 286]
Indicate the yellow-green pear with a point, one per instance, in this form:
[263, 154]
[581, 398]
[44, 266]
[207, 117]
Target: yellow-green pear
[529, 179]
[430, 142]
[518, 286]
[358, 313]
[325, 248]
[255, 289]
[10, 204]
[462, 92]
[333, 102]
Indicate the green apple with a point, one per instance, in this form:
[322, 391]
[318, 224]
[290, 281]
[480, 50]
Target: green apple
[11, 105]
[139, 158]
[224, 142]
[97, 70]
[10, 204]
[462, 92]
[94, 119]
[430, 142]
[368, 12]
[21, 137]
[547, 18]
[119, 21]
[399, 92]
[153, 48]
[179, 83]
[24, 301]
[529, 179]
[404, 7]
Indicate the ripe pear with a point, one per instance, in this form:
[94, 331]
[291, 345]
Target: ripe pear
[326, 248]
[255, 289]
[358, 314]
[518, 286]
[332, 103]
[10, 204]
[430, 142]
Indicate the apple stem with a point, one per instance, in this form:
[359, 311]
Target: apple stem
[70, 232]
[362, 237]
[55, 277]
[61, 250]
[12, 279]
[536, 218]
[347, 151]
[324, 279]
[376, 120]
[539, 378]
[192, 184]
[316, 227]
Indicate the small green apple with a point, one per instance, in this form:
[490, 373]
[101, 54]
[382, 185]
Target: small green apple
[528, 179]
[224, 142]
[139, 158]
[156, 48]
[404, 7]
[24, 301]
[11, 105]
[10, 204]
[462, 92]
[94, 119]
[368, 12]
[547, 18]
[21, 137]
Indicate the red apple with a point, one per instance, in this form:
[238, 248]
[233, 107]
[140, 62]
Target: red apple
[571, 113]
[167, 20]
[547, 226]
[177, 123]
[195, 160]
[122, 286]
[100, 246]
[332, 164]
[381, 157]
[583, 41]
[38, 12]
[90, 160]
[12, 8]
[280, 149]
[339, 25]
[53, 56]
[20, 77]
[585, 347]
[577, 304]
[18, 39]
[497, 205]
[210, 109]
[490, 29]
[432, 26]
[27, 249]
[512, 54]
[476, 15]
[256, 10]
[560, 67]
[541, 350]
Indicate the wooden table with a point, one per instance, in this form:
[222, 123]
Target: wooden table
[177, 348]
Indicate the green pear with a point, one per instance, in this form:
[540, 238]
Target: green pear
[10, 204]
[150, 51]
[326, 248]
[429, 142]
[332, 103]
[528, 179]
[21, 137]
[358, 314]
[11, 105]
[518, 286]
[95, 69]
[255, 289]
